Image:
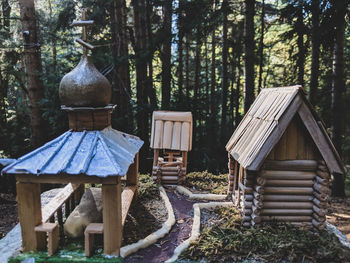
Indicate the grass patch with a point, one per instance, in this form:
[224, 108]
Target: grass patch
[147, 189]
[72, 251]
[227, 241]
[208, 182]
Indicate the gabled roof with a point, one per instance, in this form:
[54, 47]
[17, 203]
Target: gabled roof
[171, 130]
[266, 121]
[95, 153]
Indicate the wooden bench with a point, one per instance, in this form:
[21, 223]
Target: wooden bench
[53, 233]
[97, 228]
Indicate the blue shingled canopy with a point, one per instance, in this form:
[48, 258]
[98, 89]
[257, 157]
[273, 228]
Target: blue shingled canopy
[94, 153]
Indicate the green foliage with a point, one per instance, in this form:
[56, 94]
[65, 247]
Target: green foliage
[147, 189]
[208, 182]
[227, 241]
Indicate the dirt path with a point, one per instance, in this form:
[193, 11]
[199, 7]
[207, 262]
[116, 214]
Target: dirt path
[164, 248]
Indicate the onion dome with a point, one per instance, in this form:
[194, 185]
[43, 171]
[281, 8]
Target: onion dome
[85, 86]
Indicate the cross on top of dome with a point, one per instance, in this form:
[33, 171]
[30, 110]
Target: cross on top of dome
[84, 23]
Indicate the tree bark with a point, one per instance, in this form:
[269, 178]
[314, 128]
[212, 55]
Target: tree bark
[249, 53]
[261, 44]
[338, 88]
[121, 78]
[180, 51]
[187, 68]
[224, 83]
[33, 71]
[166, 54]
[300, 43]
[196, 79]
[315, 55]
[141, 76]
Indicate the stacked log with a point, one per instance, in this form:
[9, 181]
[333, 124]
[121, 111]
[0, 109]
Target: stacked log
[231, 175]
[288, 191]
[247, 197]
[321, 190]
[169, 174]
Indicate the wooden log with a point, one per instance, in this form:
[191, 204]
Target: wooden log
[246, 189]
[319, 211]
[169, 177]
[287, 218]
[324, 175]
[293, 198]
[246, 218]
[318, 203]
[258, 203]
[248, 182]
[319, 218]
[248, 197]
[256, 210]
[318, 225]
[288, 175]
[289, 190]
[322, 181]
[321, 188]
[291, 165]
[286, 212]
[256, 219]
[112, 218]
[261, 181]
[171, 173]
[246, 204]
[322, 168]
[288, 205]
[299, 183]
[259, 189]
[323, 197]
[302, 224]
[247, 212]
[258, 196]
[29, 213]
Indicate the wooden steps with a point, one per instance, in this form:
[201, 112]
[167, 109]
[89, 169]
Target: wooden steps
[52, 230]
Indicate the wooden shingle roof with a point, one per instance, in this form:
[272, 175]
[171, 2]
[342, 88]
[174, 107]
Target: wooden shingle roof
[171, 130]
[267, 119]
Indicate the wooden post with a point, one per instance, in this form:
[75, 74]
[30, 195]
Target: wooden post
[131, 176]
[112, 218]
[29, 213]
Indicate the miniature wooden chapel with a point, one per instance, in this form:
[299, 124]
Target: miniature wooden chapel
[280, 160]
[171, 139]
[90, 152]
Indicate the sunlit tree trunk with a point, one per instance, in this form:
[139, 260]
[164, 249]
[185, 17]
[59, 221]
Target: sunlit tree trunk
[300, 43]
[166, 54]
[261, 44]
[180, 51]
[33, 70]
[224, 83]
[249, 53]
[187, 68]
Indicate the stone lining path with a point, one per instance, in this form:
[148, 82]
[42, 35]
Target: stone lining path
[164, 248]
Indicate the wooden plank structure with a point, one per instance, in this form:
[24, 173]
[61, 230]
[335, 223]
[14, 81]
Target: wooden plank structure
[90, 152]
[281, 160]
[171, 140]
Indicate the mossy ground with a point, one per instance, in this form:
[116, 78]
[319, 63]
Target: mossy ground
[207, 182]
[224, 239]
[73, 250]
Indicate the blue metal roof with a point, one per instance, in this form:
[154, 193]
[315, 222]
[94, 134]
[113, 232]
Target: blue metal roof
[95, 153]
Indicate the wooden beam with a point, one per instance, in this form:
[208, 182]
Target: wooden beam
[132, 174]
[112, 218]
[322, 142]
[65, 179]
[29, 213]
[127, 197]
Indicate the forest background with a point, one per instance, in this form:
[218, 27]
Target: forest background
[210, 57]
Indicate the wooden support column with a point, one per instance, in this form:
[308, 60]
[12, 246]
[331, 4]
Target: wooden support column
[112, 218]
[29, 213]
[131, 176]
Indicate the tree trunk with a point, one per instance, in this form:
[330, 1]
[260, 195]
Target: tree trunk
[121, 79]
[141, 76]
[187, 66]
[151, 90]
[261, 44]
[224, 83]
[300, 43]
[166, 54]
[315, 56]
[33, 71]
[212, 100]
[180, 51]
[196, 80]
[249, 53]
[338, 88]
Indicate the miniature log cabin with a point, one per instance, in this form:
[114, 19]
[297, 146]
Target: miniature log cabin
[171, 140]
[280, 161]
[90, 152]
